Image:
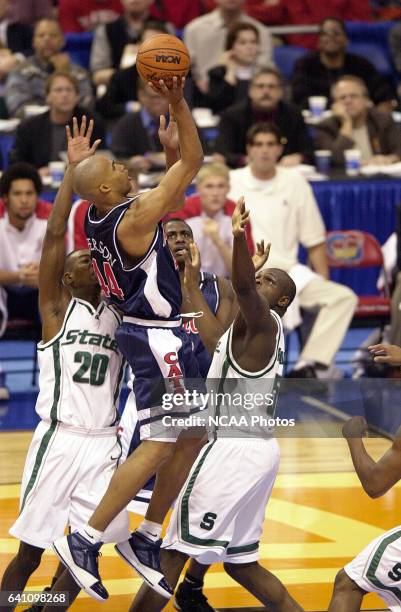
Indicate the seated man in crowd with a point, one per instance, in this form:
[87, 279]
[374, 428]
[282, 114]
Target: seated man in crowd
[205, 38]
[135, 139]
[40, 139]
[263, 103]
[115, 44]
[21, 235]
[121, 95]
[284, 212]
[212, 229]
[356, 125]
[27, 83]
[316, 72]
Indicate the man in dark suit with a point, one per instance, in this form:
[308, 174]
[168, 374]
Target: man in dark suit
[263, 104]
[134, 138]
[40, 139]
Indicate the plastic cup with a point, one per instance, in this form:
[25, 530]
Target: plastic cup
[57, 169]
[317, 105]
[352, 161]
[323, 160]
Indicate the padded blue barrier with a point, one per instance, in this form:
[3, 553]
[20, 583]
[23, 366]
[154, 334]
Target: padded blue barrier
[78, 45]
[285, 57]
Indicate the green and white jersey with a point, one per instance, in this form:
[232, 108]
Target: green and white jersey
[81, 368]
[240, 395]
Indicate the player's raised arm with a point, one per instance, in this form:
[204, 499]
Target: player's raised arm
[168, 195]
[376, 477]
[210, 328]
[53, 298]
[254, 308]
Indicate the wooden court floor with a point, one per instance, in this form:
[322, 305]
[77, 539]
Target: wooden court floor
[317, 519]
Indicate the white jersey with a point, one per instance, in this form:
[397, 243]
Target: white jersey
[81, 368]
[250, 393]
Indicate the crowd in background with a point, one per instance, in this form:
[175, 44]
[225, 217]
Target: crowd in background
[262, 130]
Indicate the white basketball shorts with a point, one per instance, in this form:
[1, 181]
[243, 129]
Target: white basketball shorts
[220, 511]
[66, 473]
[377, 569]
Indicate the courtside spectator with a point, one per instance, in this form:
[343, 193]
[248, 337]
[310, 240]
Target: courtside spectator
[316, 72]
[205, 38]
[115, 44]
[263, 103]
[121, 95]
[27, 83]
[21, 236]
[356, 125]
[212, 229]
[284, 212]
[83, 15]
[229, 80]
[40, 139]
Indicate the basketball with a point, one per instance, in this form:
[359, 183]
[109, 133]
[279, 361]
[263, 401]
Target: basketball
[162, 57]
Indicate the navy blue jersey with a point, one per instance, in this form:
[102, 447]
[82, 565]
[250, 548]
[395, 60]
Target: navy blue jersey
[210, 289]
[151, 288]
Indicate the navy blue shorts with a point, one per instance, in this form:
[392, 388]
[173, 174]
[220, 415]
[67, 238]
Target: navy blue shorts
[163, 365]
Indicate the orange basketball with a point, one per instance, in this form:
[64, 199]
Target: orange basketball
[162, 57]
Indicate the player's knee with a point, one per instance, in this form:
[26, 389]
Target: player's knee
[237, 569]
[29, 557]
[343, 582]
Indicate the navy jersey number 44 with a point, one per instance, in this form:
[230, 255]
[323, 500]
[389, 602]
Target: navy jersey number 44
[151, 288]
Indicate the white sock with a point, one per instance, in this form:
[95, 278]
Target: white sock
[152, 530]
[91, 534]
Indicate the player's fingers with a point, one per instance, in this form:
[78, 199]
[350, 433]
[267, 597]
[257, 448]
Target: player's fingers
[95, 145]
[90, 130]
[268, 248]
[83, 126]
[175, 82]
[171, 113]
[377, 348]
[182, 82]
[75, 132]
[68, 133]
[162, 124]
[262, 246]
[382, 359]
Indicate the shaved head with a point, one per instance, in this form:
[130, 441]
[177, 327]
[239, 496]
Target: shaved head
[89, 174]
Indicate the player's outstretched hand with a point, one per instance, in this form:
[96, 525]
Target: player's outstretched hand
[355, 427]
[78, 143]
[168, 134]
[240, 218]
[261, 255]
[192, 265]
[386, 353]
[174, 94]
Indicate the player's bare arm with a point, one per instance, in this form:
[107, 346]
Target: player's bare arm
[386, 353]
[152, 206]
[210, 328]
[376, 477]
[53, 297]
[254, 326]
